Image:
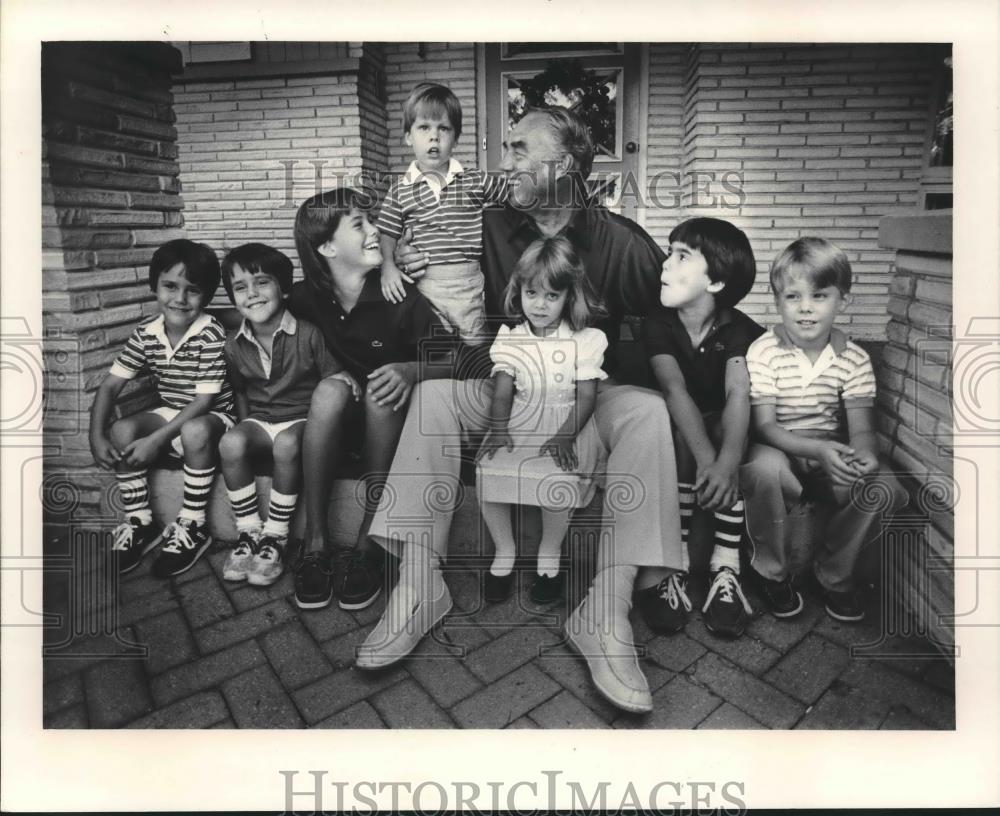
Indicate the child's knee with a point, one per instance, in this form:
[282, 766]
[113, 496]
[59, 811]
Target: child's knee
[330, 396]
[198, 434]
[234, 446]
[286, 448]
[123, 431]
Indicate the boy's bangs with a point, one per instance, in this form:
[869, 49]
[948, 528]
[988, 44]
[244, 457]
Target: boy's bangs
[820, 278]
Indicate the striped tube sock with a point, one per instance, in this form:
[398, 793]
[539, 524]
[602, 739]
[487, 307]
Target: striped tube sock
[197, 489]
[135, 495]
[279, 513]
[728, 532]
[685, 492]
[244, 503]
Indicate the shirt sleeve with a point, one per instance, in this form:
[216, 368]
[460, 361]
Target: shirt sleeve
[590, 347]
[763, 381]
[326, 363]
[502, 354]
[741, 337]
[211, 361]
[132, 358]
[390, 216]
[656, 338]
[859, 388]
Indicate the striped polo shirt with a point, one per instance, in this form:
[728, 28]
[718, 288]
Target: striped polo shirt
[809, 396]
[196, 365]
[446, 219]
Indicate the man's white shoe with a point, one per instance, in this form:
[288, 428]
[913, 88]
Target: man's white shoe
[407, 618]
[612, 662]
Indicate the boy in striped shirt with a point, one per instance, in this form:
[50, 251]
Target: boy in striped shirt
[812, 393]
[183, 350]
[439, 206]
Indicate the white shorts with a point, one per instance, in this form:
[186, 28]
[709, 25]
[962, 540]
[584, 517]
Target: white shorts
[169, 413]
[274, 428]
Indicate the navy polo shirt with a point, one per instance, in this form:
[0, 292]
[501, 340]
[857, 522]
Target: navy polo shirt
[375, 332]
[704, 368]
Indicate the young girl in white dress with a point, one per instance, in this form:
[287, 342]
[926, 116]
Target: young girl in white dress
[542, 446]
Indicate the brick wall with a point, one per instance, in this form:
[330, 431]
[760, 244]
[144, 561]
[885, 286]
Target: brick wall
[827, 139]
[664, 138]
[251, 150]
[451, 64]
[915, 404]
[110, 196]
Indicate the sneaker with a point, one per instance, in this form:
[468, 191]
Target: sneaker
[238, 561]
[358, 578]
[314, 581]
[844, 606]
[186, 541]
[666, 605]
[547, 588]
[781, 597]
[268, 562]
[130, 541]
[726, 608]
[496, 588]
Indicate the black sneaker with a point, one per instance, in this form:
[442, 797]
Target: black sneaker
[358, 578]
[547, 588]
[130, 541]
[781, 597]
[726, 608]
[314, 581]
[666, 605]
[185, 542]
[844, 606]
[496, 588]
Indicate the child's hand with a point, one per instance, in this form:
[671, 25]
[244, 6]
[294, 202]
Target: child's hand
[351, 383]
[391, 384]
[392, 284]
[496, 438]
[142, 452]
[716, 485]
[864, 463]
[563, 450]
[835, 459]
[408, 258]
[105, 454]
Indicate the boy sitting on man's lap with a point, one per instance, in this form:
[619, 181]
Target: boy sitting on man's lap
[183, 348]
[805, 376]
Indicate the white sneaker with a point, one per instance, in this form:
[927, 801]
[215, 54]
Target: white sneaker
[268, 562]
[238, 561]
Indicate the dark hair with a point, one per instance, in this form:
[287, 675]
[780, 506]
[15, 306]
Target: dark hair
[432, 98]
[570, 133]
[727, 252]
[201, 267]
[556, 262]
[258, 258]
[823, 264]
[315, 222]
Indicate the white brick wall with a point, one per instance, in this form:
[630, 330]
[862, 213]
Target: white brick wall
[828, 139]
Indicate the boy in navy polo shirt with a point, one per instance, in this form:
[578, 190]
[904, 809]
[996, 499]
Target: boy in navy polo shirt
[697, 346]
[275, 363]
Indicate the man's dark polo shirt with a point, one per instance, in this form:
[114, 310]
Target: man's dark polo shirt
[299, 360]
[622, 262]
[704, 368]
[375, 332]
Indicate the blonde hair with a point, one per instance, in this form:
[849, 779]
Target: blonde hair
[555, 262]
[817, 260]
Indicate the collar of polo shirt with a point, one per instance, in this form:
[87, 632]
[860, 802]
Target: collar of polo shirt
[837, 339]
[288, 325]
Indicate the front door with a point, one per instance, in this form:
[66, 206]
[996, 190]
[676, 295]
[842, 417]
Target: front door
[600, 81]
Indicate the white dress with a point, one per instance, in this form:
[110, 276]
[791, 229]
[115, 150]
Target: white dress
[545, 372]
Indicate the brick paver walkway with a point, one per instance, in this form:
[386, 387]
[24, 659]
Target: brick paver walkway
[221, 655]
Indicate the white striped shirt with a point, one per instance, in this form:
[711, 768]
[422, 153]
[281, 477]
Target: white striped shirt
[809, 396]
[196, 365]
[447, 220]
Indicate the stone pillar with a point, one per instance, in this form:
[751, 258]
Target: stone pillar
[110, 196]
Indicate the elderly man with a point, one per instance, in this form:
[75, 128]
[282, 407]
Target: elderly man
[546, 159]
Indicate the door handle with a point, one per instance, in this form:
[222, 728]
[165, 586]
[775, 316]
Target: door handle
[631, 147]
